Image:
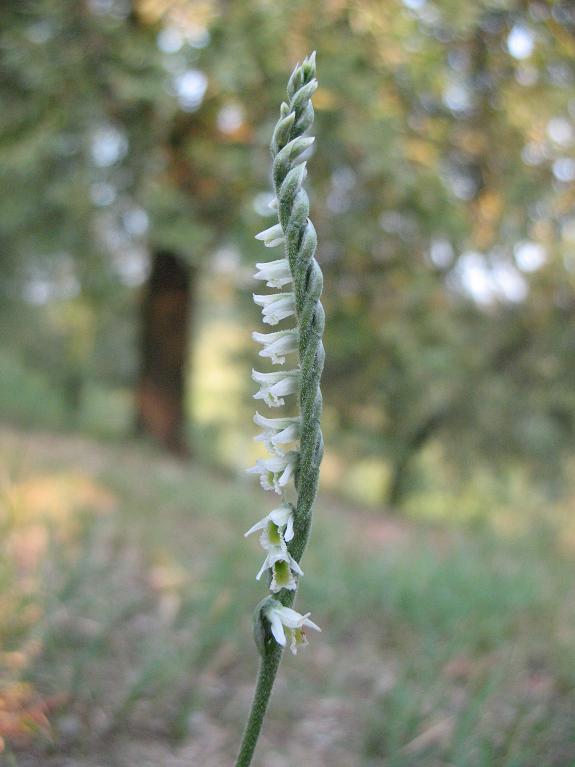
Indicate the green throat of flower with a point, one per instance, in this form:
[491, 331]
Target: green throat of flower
[274, 535]
[282, 573]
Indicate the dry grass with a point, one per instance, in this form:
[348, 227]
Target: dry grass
[126, 591]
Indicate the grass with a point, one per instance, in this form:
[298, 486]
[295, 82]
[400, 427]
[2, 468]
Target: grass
[127, 592]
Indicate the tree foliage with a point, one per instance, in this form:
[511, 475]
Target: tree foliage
[442, 192]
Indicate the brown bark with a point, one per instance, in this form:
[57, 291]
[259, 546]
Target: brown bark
[160, 396]
[397, 489]
[503, 357]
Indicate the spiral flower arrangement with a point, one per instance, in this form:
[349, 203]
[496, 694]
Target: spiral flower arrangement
[295, 442]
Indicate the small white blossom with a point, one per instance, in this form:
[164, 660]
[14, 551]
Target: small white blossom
[283, 566]
[284, 620]
[277, 431]
[277, 345]
[276, 307]
[272, 236]
[282, 518]
[275, 386]
[276, 274]
[275, 472]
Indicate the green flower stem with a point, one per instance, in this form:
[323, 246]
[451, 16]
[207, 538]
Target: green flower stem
[271, 655]
[266, 677]
[296, 117]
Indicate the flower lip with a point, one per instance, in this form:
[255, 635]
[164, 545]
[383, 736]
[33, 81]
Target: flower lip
[271, 536]
[297, 637]
[282, 577]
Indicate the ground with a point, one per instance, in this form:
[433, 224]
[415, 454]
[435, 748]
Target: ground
[126, 595]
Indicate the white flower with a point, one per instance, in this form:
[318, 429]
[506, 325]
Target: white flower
[275, 472]
[276, 274]
[284, 620]
[276, 307]
[277, 345]
[281, 518]
[283, 566]
[276, 386]
[277, 431]
[272, 236]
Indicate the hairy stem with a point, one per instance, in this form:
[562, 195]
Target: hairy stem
[267, 673]
[269, 664]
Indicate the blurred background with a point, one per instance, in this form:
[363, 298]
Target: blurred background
[134, 157]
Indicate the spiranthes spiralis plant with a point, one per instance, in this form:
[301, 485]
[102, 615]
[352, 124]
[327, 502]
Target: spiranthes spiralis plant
[295, 442]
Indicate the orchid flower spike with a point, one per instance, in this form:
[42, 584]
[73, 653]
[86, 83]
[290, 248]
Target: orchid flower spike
[285, 530]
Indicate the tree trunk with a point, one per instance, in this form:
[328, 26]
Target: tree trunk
[72, 393]
[160, 396]
[397, 488]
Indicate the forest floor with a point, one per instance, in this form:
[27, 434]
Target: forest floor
[126, 592]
